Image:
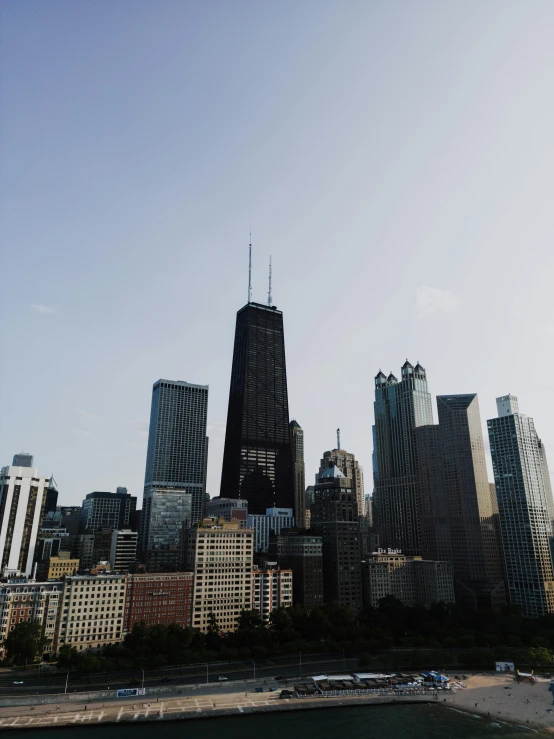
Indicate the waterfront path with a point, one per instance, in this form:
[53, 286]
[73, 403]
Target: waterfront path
[174, 708]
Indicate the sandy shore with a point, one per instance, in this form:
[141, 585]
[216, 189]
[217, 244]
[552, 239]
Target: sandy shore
[500, 697]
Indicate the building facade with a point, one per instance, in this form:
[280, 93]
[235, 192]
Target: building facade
[123, 550]
[524, 504]
[302, 553]
[30, 601]
[411, 580]
[274, 521]
[334, 517]
[91, 615]
[22, 505]
[257, 460]
[400, 407]
[347, 464]
[177, 454]
[221, 556]
[23, 459]
[299, 472]
[162, 598]
[458, 524]
[166, 514]
[107, 511]
[56, 568]
[228, 508]
[271, 589]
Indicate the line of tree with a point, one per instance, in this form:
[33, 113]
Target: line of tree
[480, 636]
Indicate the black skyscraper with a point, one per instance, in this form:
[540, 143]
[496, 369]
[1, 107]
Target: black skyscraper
[257, 463]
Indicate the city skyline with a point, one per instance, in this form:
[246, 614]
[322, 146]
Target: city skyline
[413, 174]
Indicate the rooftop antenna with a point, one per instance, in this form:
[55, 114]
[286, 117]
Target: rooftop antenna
[338, 438]
[269, 291]
[250, 269]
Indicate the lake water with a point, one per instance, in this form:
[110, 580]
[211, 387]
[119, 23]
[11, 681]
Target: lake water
[367, 722]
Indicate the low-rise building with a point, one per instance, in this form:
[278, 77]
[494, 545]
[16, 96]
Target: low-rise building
[412, 580]
[271, 589]
[27, 601]
[227, 508]
[159, 598]
[91, 615]
[56, 568]
[220, 554]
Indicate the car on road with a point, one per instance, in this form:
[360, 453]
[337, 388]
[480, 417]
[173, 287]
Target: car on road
[259, 690]
[18, 682]
[271, 690]
[222, 678]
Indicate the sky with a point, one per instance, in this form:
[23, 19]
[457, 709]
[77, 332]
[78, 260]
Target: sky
[394, 157]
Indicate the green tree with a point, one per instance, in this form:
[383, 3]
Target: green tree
[24, 642]
[541, 655]
[249, 620]
[67, 658]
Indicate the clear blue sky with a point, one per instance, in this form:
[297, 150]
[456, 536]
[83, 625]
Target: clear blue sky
[396, 159]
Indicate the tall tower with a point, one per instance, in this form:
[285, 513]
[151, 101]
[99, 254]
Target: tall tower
[399, 408]
[525, 507]
[177, 442]
[334, 517]
[348, 465]
[458, 522]
[297, 450]
[257, 462]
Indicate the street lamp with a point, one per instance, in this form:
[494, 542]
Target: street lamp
[142, 677]
[300, 673]
[207, 672]
[66, 681]
[254, 668]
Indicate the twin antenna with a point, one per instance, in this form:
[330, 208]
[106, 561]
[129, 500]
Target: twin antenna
[269, 299]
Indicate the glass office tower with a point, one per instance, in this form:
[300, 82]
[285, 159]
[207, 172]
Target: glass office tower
[525, 507]
[177, 443]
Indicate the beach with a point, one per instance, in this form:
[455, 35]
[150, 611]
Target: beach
[501, 697]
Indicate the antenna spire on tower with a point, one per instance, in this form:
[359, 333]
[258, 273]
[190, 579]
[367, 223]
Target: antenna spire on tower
[250, 269]
[338, 438]
[269, 291]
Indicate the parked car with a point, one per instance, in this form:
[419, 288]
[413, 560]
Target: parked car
[259, 690]
[271, 690]
[18, 682]
[222, 678]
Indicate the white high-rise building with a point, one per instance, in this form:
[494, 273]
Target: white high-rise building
[525, 507]
[274, 521]
[123, 551]
[22, 503]
[271, 589]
